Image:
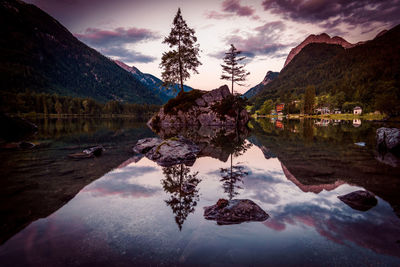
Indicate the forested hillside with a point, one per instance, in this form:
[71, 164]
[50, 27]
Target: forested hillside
[40, 55]
[367, 73]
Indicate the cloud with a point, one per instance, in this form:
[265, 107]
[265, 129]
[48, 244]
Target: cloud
[114, 42]
[230, 9]
[126, 55]
[217, 15]
[234, 6]
[265, 41]
[334, 12]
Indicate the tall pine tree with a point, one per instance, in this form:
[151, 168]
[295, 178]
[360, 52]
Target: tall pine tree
[232, 70]
[177, 62]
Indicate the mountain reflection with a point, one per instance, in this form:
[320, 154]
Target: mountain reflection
[182, 187]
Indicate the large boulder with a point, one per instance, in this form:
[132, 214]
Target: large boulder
[168, 152]
[14, 128]
[197, 108]
[235, 211]
[388, 138]
[360, 200]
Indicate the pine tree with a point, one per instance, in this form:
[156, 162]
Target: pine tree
[177, 63]
[233, 71]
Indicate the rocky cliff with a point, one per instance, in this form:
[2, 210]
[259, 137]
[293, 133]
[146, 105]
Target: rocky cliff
[321, 38]
[269, 77]
[194, 108]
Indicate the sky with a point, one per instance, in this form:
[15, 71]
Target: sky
[265, 30]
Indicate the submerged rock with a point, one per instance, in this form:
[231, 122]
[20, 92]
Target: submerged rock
[88, 153]
[168, 152]
[359, 200]
[235, 211]
[97, 150]
[388, 138]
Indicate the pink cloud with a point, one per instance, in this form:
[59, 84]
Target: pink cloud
[234, 6]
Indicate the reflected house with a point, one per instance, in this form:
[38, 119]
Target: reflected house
[357, 110]
[322, 111]
[322, 123]
[182, 187]
[279, 124]
[356, 122]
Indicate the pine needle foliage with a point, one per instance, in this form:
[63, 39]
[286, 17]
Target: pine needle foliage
[183, 57]
[232, 70]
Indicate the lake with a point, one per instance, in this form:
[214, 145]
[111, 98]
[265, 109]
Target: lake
[123, 209]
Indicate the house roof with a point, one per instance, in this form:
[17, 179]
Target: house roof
[357, 108]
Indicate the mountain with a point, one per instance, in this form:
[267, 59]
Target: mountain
[321, 38]
[38, 54]
[267, 79]
[153, 83]
[368, 73]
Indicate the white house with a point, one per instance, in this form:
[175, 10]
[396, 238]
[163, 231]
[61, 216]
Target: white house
[357, 111]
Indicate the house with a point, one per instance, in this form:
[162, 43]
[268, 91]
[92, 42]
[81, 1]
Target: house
[357, 110]
[280, 107]
[323, 110]
[337, 111]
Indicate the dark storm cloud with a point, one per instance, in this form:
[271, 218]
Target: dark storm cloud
[331, 13]
[113, 42]
[265, 41]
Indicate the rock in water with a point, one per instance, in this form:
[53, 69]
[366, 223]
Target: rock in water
[388, 138]
[168, 152]
[144, 145]
[360, 200]
[88, 153]
[199, 111]
[235, 211]
[97, 150]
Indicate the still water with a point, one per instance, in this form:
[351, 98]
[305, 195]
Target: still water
[129, 211]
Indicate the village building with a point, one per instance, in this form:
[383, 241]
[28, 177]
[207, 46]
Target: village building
[279, 108]
[337, 111]
[357, 110]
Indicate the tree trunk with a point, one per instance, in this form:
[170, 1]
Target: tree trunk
[180, 63]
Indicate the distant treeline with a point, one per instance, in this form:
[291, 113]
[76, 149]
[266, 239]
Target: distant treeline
[46, 104]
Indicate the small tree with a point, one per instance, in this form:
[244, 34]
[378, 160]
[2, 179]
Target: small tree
[232, 70]
[177, 63]
[309, 99]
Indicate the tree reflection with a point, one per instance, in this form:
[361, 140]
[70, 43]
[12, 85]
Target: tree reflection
[232, 177]
[182, 187]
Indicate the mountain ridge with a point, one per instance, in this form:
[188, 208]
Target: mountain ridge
[269, 77]
[153, 83]
[37, 53]
[367, 73]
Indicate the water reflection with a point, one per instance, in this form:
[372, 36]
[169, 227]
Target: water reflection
[295, 174]
[181, 185]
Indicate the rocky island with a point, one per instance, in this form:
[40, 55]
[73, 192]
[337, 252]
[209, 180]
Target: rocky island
[206, 108]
